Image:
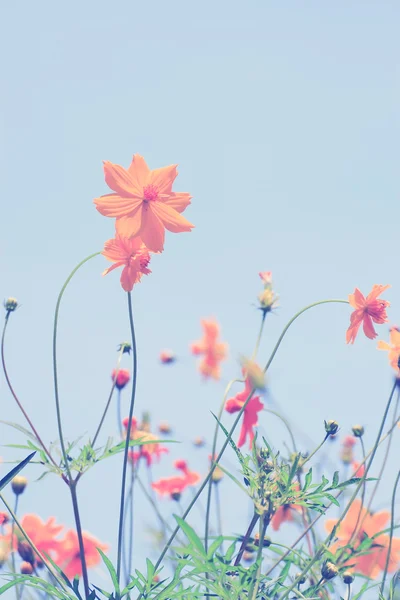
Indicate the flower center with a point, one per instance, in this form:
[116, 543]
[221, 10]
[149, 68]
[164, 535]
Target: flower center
[150, 192]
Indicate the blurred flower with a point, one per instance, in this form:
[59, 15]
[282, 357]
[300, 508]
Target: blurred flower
[143, 203]
[199, 442]
[42, 534]
[254, 373]
[214, 352]
[266, 277]
[357, 525]
[69, 557]
[357, 469]
[174, 486]
[346, 453]
[126, 348]
[367, 310]
[218, 473]
[285, 513]
[132, 254]
[267, 298]
[4, 518]
[250, 414]
[164, 428]
[150, 451]
[121, 377]
[10, 305]
[167, 357]
[26, 568]
[393, 348]
[18, 484]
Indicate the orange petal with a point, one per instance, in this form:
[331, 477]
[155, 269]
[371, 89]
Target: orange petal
[114, 266]
[178, 201]
[376, 523]
[152, 231]
[130, 225]
[164, 178]
[377, 290]
[359, 298]
[112, 205]
[383, 345]
[139, 172]
[120, 181]
[368, 327]
[171, 219]
[129, 277]
[351, 333]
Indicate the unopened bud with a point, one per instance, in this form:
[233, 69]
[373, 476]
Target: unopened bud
[329, 570]
[348, 577]
[217, 475]
[358, 431]
[125, 347]
[26, 552]
[164, 428]
[175, 496]
[10, 304]
[199, 442]
[301, 580]
[26, 568]
[18, 484]
[266, 541]
[331, 427]
[254, 374]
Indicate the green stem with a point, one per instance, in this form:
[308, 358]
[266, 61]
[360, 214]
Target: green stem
[218, 507]
[257, 346]
[309, 457]
[14, 395]
[128, 435]
[391, 533]
[14, 568]
[82, 556]
[264, 522]
[246, 538]
[332, 534]
[57, 399]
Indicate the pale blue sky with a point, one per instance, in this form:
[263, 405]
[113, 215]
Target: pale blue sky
[283, 117]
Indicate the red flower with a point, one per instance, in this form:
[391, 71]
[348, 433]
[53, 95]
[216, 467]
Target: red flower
[131, 254]
[174, 486]
[367, 310]
[214, 351]
[250, 415]
[69, 558]
[122, 377]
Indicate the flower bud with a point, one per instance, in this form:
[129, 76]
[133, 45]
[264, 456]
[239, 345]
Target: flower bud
[329, 570]
[10, 305]
[26, 568]
[247, 556]
[331, 427]
[268, 466]
[266, 541]
[348, 577]
[3, 556]
[167, 357]
[358, 431]
[121, 378]
[4, 518]
[164, 428]
[26, 552]
[254, 374]
[18, 484]
[175, 496]
[199, 442]
[301, 580]
[125, 347]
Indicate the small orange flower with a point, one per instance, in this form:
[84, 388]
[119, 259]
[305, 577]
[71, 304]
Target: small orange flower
[121, 377]
[346, 453]
[174, 486]
[214, 352]
[368, 525]
[69, 558]
[286, 512]
[167, 357]
[132, 254]
[144, 203]
[367, 310]
[151, 451]
[358, 469]
[250, 414]
[42, 534]
[393, 348]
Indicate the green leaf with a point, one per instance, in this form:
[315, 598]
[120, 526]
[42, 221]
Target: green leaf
[308, 480]
[293, 468]
[335, 479]
[112, 571]
[6, 480]
[191, 535]
[214, 547]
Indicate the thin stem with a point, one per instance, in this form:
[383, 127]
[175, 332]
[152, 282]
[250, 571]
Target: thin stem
[396, 483]
[214, 447]
[309, 457]
[264, 522]
[128, 435]
[364, 486]
[119, 416]
[14, 395]
[246, 538]
[82, 557]
[17, 590]
[130, 527]
[57, 399]
[96, 435]
[255, 351]
[218, 507]
[31, 544]
[332, 534]
[348, 591]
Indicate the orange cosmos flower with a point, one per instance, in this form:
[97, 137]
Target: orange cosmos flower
[214, 352]
[368, 525]
[367, 310]
[174, 486]
[151, 451]
[286, 512]
[393, 348]
[69, 558]
[42, 534]
[250, 414]
[132, 254]
[144, 203]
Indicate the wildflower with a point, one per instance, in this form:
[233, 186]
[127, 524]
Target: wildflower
[329, 570]
[26, 568]
[267, 298]
[357, 469]
[346, 453]
[164, 428]
[285, 513]
[357, 525]
[367, 310]
[218, 473]
[121, 378]
[393, 348]
[69, 557]
[254, 373]
[10, 305]
[214, 351]
[199, 442]
[248, 556]
[348, 577]
[42, 534]
[331, 427]
[132, 254]
[358, 430]
[173, 486]
[250, 413]
[143, 203]
[150, 451]
[18, 484]
[167, 357]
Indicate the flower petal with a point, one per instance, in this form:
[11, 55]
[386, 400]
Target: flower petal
[139, 172]
[114, 266]
[352, 331]
[164, 178]
[368, 327]
[152, 231]
[129, 277]
[383, 345]
[112, 205]
[377, 290]
[171, 219]
[120, 180]
[130, 225]
[179, 201]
